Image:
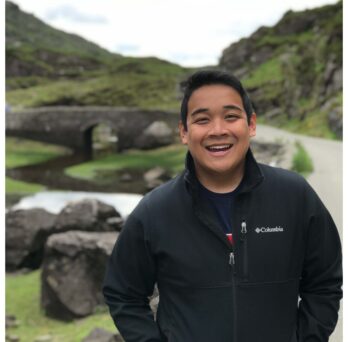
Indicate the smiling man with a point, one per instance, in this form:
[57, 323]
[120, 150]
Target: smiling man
[240, 251]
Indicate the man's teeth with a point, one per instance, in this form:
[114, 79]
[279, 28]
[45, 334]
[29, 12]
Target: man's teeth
[219, 147]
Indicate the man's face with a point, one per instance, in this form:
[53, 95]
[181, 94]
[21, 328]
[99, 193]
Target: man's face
[218, 133]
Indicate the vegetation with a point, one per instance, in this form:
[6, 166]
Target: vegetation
[145, 83]
[292, 64]
[21, 152]
[170, 157]
[301, 162]
[18, 187]
[270, 71]
[22, 300]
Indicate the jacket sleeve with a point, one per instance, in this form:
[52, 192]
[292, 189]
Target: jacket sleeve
[321, 281]
[129, 281]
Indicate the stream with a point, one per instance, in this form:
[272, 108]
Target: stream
[110, 186]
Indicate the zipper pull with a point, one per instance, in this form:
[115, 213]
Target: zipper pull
[244, 228]
[231, 261]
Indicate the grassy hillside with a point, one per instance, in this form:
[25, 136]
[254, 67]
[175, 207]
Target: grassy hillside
[47, 67]
[136, 82]
[293, 70]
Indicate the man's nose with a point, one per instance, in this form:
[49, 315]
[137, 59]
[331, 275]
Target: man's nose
[218, 127]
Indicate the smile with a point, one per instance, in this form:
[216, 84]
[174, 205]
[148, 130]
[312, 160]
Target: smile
[219, 148]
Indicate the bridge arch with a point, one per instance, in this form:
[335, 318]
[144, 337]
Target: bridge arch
[99, 136]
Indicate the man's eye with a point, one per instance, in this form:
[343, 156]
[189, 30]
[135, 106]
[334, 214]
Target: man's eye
[201, 121]
[232, 117]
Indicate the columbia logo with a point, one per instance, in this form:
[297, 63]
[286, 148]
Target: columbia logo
[276, 229]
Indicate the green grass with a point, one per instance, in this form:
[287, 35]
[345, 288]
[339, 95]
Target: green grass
[302, 162]
[315, 124]
[19, 187]
[169, 157]
[22, 300]
[268, 72]
[20, 152]
[135, 82]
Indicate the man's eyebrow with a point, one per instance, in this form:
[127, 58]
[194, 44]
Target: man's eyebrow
[233, 107]
[199, 110]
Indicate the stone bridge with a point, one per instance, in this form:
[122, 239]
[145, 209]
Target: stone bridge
[72, 126]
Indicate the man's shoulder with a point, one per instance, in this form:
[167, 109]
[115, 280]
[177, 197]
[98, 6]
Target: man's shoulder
[283, 177]
[163, 195]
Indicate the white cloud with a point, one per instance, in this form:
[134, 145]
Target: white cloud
[188, 32]
[70, 13]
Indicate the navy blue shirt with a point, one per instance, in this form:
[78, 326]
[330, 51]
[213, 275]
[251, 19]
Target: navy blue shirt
[223, 206]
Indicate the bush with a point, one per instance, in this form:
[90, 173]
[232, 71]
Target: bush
[302, 162]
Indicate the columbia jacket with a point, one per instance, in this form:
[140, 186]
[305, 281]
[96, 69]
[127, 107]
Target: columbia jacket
[279, 282]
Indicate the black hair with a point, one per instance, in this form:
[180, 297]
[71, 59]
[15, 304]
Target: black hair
[210, 77]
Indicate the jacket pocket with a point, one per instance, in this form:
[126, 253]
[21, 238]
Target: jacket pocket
[270, 308]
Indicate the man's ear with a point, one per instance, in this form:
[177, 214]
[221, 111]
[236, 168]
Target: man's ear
[252, 125]
[183, 133]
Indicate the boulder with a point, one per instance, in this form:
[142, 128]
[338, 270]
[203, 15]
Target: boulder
[28, 230]
[88, 215]
[155, 135]
[26, 233]
[155, 177]
[73, 271]
[102, 335]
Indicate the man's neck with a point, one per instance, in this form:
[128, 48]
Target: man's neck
[221, 183]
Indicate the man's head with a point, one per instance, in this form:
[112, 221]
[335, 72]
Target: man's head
[210, 77]
[217, 123]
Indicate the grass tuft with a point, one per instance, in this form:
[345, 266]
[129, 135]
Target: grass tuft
[302, 162]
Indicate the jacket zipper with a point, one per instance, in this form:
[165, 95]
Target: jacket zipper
[232, 263]
[244, 242]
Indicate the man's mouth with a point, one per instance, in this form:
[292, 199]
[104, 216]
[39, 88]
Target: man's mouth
[219, 148]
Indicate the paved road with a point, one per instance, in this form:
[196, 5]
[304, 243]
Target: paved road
[326, 179]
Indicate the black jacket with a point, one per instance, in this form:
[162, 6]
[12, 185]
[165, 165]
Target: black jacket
[286, 247]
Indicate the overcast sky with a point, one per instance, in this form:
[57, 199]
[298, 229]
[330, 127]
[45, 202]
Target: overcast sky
[187, 32]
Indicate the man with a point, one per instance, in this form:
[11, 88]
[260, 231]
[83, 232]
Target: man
[232, 244]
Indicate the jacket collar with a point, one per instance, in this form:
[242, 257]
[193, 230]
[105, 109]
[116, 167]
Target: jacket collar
[253, 175]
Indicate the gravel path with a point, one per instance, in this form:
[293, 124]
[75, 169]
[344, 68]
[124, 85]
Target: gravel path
[326, 179]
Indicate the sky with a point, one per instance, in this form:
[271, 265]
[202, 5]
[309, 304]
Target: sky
[186, 32]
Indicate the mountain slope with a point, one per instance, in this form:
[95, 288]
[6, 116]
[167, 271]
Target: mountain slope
[293, 70]
[47, 67]
[35, 48]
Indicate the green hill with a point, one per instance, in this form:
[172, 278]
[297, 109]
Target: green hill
[47, 67]
[33, 48]
[293, 70]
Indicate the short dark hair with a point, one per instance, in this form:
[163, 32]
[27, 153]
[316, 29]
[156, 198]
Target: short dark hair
[210, 77]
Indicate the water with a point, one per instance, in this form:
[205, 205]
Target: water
[55, 201]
